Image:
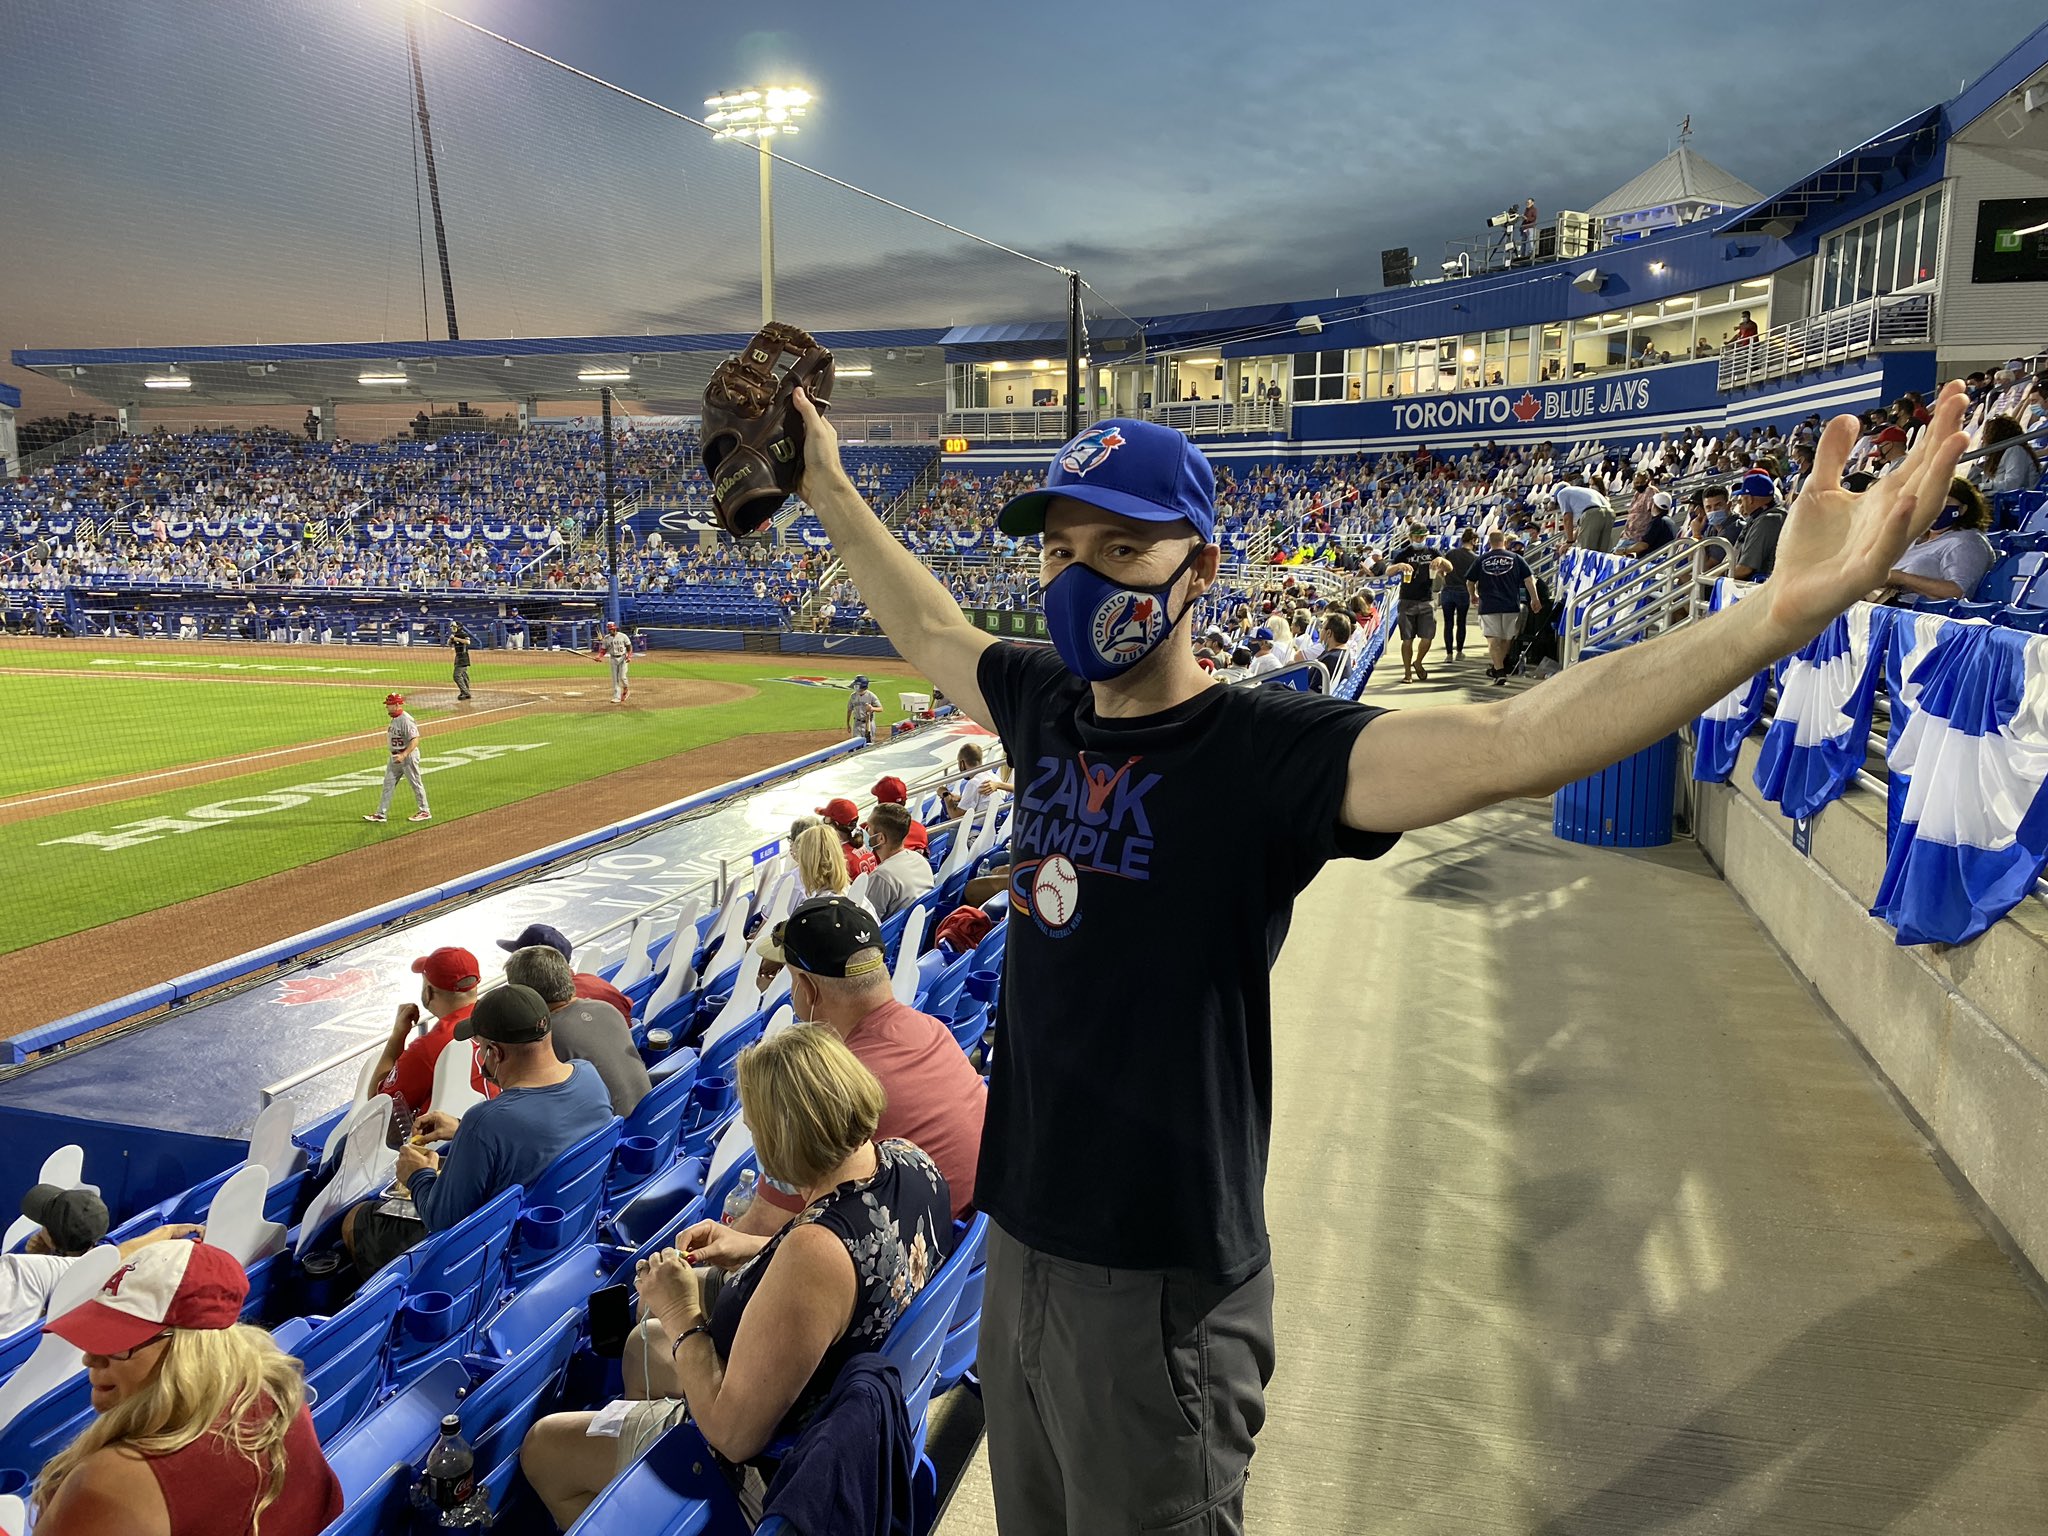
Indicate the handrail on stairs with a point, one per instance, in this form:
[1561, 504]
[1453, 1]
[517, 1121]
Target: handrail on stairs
[1652, 596]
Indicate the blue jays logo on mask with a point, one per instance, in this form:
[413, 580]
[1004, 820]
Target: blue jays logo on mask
[1126, 625]
[1090, 449]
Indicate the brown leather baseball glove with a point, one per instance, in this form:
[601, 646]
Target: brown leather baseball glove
[753, 443]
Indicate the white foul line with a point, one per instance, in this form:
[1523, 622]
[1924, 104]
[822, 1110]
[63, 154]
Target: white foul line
[229, 762]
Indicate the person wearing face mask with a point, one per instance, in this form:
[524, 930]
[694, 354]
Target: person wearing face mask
[1125, 1344]
[1952, 556]
[544, 1107]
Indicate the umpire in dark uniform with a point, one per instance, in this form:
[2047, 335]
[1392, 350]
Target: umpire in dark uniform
[459, 638]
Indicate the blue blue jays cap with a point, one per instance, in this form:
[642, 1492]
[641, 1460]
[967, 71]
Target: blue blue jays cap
[1136, 469]
[1758, 484]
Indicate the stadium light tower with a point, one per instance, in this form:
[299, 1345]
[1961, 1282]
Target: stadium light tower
[761, 114]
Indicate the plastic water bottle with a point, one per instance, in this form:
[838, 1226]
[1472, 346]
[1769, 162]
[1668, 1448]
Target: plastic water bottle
[741, 1198]
[447, 1494]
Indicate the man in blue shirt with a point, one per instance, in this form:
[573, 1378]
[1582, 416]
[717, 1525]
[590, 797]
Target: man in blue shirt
[1497, 583]
[544, 1107]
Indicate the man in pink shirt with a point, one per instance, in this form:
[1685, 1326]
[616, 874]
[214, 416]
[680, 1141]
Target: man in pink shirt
[833, 948]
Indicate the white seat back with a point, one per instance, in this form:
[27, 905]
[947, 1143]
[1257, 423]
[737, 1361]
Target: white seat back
[682, 954]
[363, 1167]
[270, 1140]
[453, 1068]
[903, 982]
[235, 1220]
[13, 1515]
[782, 1018]
[56, 1362]
[636, 966]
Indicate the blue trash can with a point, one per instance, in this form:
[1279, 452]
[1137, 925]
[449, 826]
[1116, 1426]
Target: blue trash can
[1625, 805]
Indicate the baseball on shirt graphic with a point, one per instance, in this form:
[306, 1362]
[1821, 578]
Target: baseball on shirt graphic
[1077, 818]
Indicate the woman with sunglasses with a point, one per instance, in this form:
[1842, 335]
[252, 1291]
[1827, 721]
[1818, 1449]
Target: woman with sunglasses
[1952, 556]
[202, 1426]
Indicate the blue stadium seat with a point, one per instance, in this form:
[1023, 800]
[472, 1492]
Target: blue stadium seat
[657, 1118]
[573, 1184]
[675, 1489]
[466, 1263]
[345, 1355]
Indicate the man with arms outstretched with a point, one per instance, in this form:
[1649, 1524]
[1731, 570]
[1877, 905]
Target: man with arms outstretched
[1125, 1345]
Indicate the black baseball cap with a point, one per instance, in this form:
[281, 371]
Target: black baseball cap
[822, 935]
[541, 933]
[508, 1015]
[74, 1218]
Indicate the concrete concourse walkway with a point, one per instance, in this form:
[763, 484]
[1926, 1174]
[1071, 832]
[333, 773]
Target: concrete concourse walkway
[1588, 1220]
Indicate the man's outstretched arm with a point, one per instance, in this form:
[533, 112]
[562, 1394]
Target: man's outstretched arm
[917, 614]
[1419, 767]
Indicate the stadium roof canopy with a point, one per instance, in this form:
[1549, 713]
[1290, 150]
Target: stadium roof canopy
[1681, 177]
[544, 368]
[1109, 336]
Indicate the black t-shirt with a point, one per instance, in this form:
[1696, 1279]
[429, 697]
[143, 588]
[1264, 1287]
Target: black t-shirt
[1658, 534]
[1131, 1099]
[1462, 560]
[462, 650]
[1499, 577]
[1420, 584]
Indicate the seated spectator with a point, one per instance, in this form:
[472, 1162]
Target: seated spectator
[69, 1222]
[1339, 654]
[978, 784]
[843, 817]
[893, 791]
[1951, 557]
[933, 1097]
[1657, 531]
[583, 1029]
[1265, 654]
[1889, 448]
[201, 1420]
[747, 1351]
[587, 984]
[1762, 521]
[901, 874]
[2016, 468]
[544, 1106]
[448, 983]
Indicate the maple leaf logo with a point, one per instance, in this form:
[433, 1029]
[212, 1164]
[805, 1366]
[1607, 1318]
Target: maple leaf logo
[1528, 408]
[320, 989]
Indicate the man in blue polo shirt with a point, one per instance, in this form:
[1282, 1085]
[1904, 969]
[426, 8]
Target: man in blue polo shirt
[1498, 582]
[1125, 1345]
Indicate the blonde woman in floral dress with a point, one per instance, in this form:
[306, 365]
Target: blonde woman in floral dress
[750, 1343]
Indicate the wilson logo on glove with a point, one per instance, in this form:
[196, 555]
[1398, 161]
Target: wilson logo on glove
[753, 437]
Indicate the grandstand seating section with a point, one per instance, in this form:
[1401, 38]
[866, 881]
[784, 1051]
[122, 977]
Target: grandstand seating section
[487, 1319]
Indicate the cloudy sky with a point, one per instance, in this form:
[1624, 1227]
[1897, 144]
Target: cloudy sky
[244, 170]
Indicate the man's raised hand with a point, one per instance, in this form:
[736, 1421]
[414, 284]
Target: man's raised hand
[1837, 544]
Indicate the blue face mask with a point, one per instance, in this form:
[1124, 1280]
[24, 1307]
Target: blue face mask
[1947, 518]
[1101, 628]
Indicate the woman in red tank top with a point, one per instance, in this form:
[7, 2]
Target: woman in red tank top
[202, 1427]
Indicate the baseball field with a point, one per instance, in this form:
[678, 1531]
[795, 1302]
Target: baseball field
[164, 805]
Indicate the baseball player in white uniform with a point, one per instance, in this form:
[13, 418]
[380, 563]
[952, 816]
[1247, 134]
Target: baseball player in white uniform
[861, 711]
[404, 763]
[618, 650]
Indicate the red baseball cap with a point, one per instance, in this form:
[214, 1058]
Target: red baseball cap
[1891, 435]
[891, 791]
[394, 698]
[449, 968]
[174, 1284]
[841, 812]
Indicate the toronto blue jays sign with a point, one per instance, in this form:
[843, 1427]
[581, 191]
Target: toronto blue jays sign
[1524, 411]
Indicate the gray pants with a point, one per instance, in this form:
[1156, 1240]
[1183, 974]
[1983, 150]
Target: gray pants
[1119, 1399]
[462, 682]
[409, 770]
[619, 683]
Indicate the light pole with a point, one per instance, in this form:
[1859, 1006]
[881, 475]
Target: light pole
[762, 115]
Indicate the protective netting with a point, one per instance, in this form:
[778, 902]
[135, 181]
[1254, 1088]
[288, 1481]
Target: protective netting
[207, 605]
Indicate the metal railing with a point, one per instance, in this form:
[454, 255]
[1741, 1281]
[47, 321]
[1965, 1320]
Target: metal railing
[1651, 596]
[97, 435]
[1197, 418]
[1855, 330]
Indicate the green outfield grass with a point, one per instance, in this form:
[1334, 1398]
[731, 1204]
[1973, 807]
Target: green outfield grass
[129, 725]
